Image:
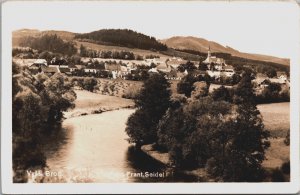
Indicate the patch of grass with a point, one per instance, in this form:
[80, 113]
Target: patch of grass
[277, 154]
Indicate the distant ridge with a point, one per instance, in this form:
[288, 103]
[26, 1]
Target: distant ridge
[202, 45]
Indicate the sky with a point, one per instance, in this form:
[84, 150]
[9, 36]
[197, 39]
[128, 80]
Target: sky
[266, 27]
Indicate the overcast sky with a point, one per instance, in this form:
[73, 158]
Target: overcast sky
[254, 27]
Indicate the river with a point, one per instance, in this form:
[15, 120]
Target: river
[93, 148]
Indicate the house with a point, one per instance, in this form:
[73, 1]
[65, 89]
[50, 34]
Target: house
[124, 70]
[64, 70]
[152, 70]
[164, 68]
[262, 83]
[228, 70]
[282, 75]
[50, 70]
[175, 62]
[114, 69]
[197, 73]
[172, 75]
[58, 65]
[80, 67]
[38, 64]
[216, 74]
[90, 70]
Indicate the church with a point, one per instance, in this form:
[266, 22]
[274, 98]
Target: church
[218, 62]
[217, 66]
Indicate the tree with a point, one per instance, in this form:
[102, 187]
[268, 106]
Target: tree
[189, 66]
[271, 73]
[245, 142]
[152, 103]
[200, 90]
[82, 51]
[202, 66]
[51, 43]
[186, 85]
[38, 103]
[187, 130]
[89, 84]
[221, 94]
[244, 91]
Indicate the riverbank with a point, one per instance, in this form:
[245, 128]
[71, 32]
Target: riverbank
[164, 158]
[94, 103]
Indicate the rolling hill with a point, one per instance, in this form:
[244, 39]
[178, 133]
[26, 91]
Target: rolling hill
[202, 45]
[18, 35]
[130, 40]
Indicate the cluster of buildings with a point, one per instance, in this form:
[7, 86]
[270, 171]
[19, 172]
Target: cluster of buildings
[216, 67]
[121, 68]
[115, 68]
[262, 81]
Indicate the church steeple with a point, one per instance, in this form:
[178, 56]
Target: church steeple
[208, 52]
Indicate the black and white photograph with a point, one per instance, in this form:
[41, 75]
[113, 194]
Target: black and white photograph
[173, 92]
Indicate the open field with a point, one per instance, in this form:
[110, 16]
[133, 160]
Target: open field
[141, 52]
[88, 103]
[276, 116]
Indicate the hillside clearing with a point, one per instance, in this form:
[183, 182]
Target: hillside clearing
[141, 52]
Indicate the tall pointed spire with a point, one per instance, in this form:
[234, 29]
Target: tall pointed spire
[208, 52]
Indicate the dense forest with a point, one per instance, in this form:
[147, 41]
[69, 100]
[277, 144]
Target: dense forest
[50, 43]
[125, 38]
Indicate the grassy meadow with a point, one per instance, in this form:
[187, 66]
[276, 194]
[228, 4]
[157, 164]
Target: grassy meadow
[276, 118]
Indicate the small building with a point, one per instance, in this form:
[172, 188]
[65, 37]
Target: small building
[80, 67]
[90, 70]
[64, 70]
[50, 70]
[59, 66]
[72, 68]
[175, 62]
[228, 70]
[38, 64]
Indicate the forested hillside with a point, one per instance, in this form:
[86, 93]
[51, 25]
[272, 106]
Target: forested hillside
[51, 43]
[123, 37]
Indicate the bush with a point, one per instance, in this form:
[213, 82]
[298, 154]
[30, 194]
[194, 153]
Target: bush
[132, 92]
[287, 139]
[277, 176]
[286, 168]
[89, 84]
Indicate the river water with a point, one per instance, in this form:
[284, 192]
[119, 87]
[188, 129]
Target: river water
[93, 148]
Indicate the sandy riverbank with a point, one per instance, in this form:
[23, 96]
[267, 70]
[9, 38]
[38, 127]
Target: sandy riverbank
[92, 103]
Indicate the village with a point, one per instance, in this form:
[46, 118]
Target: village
[173, 68]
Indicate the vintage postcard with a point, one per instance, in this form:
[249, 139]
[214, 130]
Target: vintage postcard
[150, 97]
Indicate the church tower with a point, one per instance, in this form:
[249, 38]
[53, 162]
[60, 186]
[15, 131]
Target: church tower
[208, 53]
